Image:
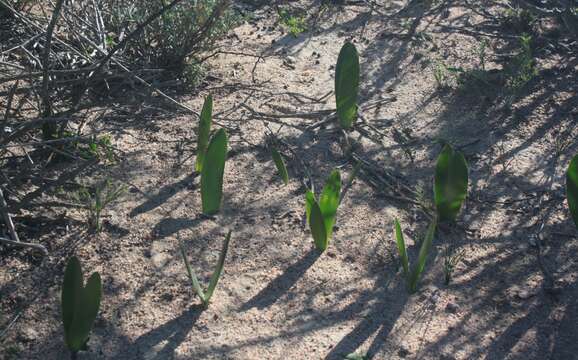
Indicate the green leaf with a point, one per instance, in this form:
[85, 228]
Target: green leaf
[450, 183]
[317, 227]
[572, 188]
[212, 173]
[194, 281]
[86, 313]
[219, 268]
[204, 132]
[278, 159]
[422, 257]
[309, 200]
[401, 248]
[329, 201]
[347, 85]
[79, 305]
[71, 292]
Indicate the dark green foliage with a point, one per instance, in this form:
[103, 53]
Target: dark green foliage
[450, 183]
[324, 211]
[80, 305]
[204, 132]
[212, 173]
[317, 226]
[280, 164]
[347, 85]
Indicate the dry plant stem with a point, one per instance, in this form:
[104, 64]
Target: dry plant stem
[46, 104]
[7, 218]
[38, 247]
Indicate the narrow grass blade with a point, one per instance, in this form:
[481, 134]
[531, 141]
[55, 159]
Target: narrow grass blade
[349, 181]
[219, 268]
[572, 188]
[317, 226]
[422, 257]
[309, 200]
[347, 85]
[71, 292]
[450, 183]
[280, 164]
[212, 173]
[204, 132]
[329, 201]
[194, 281]
[401, 248]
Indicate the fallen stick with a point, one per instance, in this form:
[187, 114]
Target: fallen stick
[38, 247]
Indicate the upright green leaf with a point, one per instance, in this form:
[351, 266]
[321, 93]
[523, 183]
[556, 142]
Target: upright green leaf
[572, 188]
[212, 173]
[401, 248]
[71, 291]
[347, 85]
[85, 313]
[219, 268]
[280, 164]
[450, 183]
[309, 200]
[422, 257]
[204, 132]
[79, 305]
[317, 226]
[329, 201]
[194, 281]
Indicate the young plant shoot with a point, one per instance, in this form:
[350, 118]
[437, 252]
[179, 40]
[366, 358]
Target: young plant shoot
[204, 132]
[212, 173]
[572, 188]
[450, 184]
[280, 164]
[80, 306]
[321, 214]
[205, 296]
[412, 276]
[347, 85]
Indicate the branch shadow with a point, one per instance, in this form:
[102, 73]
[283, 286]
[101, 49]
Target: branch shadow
[173, 333]
[283, 283]
[162, 196]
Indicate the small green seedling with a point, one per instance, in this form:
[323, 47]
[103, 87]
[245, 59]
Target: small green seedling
[280, 164]
[95, 202]
[572, 188]
[347, 85]
[321, 215]
[212, 173]
[450, 183]
[80, 306]
[206, 296]
[295, 24]
[414, 275]
[204, 132]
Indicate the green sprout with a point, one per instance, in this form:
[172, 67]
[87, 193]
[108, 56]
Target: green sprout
[412, 276]
[205, 296]
[80, 306]
[450, 183]
[321, 214]
[204, 132]
[347, 85]
[280, 164]
[212, 173]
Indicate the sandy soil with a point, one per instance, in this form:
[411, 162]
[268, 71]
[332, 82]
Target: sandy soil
[280, 299]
